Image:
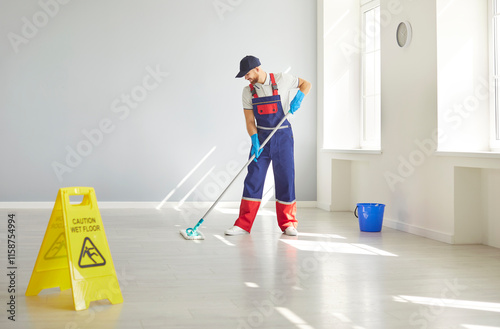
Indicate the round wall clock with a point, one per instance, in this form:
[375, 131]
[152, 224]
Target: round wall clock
[403, 34]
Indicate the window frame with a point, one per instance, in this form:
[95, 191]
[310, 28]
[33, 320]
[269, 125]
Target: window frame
[494, 80]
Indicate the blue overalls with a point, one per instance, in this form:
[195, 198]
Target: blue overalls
[268, 112]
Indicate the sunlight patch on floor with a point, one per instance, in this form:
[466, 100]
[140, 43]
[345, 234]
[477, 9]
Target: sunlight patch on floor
[337, 247]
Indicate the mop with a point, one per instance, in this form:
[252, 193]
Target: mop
[193, 233]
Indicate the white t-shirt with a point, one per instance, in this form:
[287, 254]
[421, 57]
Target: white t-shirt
[287, 88]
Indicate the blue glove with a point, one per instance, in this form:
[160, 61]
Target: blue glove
[297, 100]
[255, 146]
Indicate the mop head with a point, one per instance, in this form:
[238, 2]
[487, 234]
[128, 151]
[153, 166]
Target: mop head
[189, 234]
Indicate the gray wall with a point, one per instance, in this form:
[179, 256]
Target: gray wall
[129, 96]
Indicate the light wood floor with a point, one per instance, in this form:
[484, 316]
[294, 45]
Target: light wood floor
[330, 276]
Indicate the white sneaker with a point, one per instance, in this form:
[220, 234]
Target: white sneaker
[291, 231]
[235, 230]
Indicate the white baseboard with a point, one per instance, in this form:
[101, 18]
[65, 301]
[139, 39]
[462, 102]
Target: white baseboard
[102, 205]
[323, 206]
[307, 204]
[426, 233]
[143, 205]
[26, 205]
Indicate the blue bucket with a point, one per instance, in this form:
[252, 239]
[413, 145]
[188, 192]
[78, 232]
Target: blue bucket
[370, 216]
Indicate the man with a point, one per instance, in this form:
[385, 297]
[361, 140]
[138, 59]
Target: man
[265, 103]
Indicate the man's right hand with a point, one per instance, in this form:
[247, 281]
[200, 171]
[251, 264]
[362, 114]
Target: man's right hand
[255, 147]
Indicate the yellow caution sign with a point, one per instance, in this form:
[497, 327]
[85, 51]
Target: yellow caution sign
[75, 253]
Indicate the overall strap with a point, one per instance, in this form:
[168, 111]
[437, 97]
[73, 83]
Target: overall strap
[273, 84]
[254, 92]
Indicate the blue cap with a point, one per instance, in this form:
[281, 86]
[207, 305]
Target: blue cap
[246, 64]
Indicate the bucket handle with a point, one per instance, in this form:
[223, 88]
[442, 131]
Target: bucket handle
[356, 211]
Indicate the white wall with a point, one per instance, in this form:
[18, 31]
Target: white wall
[416, 184]
[490, 207]
[77, 92]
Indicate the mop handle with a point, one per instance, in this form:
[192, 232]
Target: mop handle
[248, 162]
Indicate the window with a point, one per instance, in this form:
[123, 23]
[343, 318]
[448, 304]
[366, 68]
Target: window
[370, 76]
[465, 106]
[349, 75]
[495, 43]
